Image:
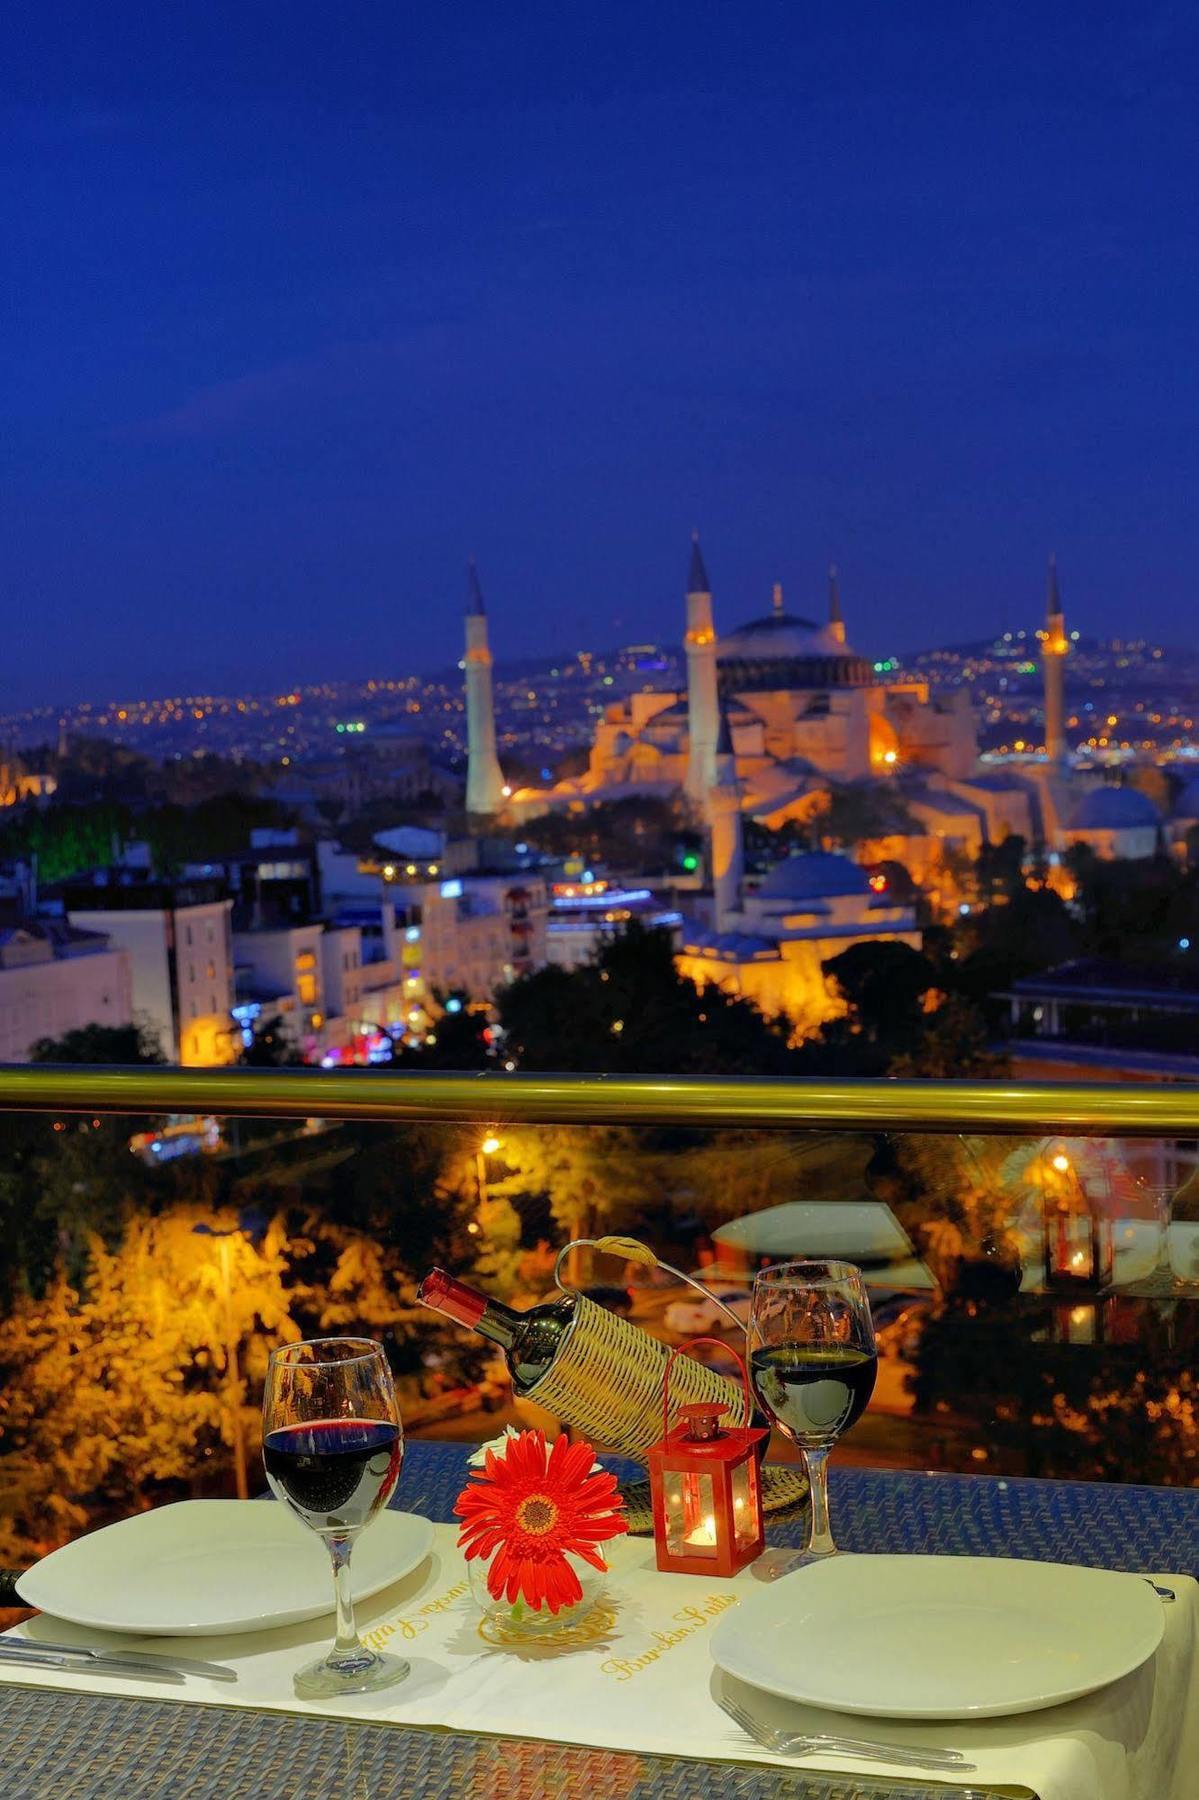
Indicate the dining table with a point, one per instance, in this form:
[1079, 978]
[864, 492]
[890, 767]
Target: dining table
[64, 1745]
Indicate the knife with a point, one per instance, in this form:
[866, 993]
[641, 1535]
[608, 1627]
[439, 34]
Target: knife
[127, 1662]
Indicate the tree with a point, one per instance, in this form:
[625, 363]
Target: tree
[883, 983]
[1000, 869]
[859, 811]
[63, 1178]
[459, 1040]
[64, 839]
[998, 944]
[125, 1046]
[639, 832]
[631, 1010]
[953, 1046]
[1093, 1412]
[118, 1386]
[596, 1178]
[271, 1047]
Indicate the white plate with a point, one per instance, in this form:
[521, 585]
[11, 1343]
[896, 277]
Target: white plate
[1136, 1250]
[848, 1228]
[939, 1637]
[1184, 1250]
[207, 1567]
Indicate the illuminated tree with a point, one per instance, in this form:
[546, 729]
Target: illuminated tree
[594, 1177]
[120, 1385]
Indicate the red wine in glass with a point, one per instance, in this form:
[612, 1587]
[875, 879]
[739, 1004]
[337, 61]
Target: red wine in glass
[335, 1473]
[332, 1445]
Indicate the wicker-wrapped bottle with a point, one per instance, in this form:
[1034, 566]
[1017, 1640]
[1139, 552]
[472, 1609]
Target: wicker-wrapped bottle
[586, 1365]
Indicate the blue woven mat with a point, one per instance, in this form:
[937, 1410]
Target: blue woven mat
[76, 1747]
[1088, 1522]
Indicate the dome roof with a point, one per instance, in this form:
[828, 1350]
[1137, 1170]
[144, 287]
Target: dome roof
[814, 875]
[1114, 809]
[779, 635]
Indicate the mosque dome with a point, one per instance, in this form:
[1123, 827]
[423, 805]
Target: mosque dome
[780, 634]
[783, 651]
[814, 875]
[1115, 809]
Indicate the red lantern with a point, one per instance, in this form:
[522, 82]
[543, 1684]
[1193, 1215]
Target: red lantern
[705, 1485]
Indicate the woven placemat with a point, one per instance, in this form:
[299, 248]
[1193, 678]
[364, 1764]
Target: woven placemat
[784, 1495]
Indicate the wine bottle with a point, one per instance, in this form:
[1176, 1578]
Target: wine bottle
[530, 1340]
[599, 1372]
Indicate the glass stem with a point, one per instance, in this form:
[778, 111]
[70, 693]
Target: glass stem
[820, 1538]
[347, 1642]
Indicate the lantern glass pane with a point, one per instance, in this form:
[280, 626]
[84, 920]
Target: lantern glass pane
[690, 1514]
[1073, 1248]
[745, 1501]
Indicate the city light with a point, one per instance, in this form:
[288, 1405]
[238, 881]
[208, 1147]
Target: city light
[1061, 1162]
[491, 1144]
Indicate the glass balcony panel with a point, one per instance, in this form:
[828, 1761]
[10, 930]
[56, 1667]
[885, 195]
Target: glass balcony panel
[155, 1257]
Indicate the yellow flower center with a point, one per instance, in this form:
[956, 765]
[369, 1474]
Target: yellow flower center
[537, 1515]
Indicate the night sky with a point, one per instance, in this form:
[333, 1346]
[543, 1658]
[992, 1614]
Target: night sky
[306, 303]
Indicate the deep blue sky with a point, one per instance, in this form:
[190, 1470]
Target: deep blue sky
[311, 301]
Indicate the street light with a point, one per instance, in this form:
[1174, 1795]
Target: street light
[488, 1147]
[232, 1377]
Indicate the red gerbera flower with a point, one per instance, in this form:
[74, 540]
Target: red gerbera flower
[527, 1508]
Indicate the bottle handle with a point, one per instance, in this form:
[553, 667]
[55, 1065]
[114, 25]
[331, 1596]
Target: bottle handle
[682, 1349]
[633, 1250]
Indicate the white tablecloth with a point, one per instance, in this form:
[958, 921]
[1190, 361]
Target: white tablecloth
[640, 1677]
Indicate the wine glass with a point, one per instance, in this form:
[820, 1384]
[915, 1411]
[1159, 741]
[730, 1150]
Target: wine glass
[814, 1360]
[332, 1443]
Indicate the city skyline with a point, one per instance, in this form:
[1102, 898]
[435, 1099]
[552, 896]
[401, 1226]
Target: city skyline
[296, 329]
[389, 675]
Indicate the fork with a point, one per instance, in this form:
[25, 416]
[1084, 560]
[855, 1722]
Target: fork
[795, 1743]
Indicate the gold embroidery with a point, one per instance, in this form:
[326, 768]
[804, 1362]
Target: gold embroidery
[687, 1622]
[420, 1621]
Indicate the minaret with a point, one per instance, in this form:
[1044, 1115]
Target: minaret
[836, 624]
[776, 600]
[484, 782]
[724, 818]
[1055, 647]
[703, 706]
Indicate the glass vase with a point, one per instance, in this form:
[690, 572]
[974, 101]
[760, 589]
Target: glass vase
[505, 1622]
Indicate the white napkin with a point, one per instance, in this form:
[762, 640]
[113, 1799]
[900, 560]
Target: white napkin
[640, 1677]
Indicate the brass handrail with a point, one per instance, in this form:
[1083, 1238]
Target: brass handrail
[1036, 1108]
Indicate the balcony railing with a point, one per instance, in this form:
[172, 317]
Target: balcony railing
[1004, 1107]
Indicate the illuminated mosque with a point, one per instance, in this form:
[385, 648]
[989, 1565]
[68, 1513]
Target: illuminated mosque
[804, 712]
[803, 709]
[775, 715]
